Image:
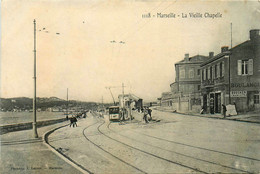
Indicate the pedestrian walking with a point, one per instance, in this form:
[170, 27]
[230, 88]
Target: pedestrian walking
[224, 110]
[71, 121]
[145, 115]
[75, 122]
[150, 113]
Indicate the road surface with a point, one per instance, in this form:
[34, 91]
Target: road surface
[174, 143]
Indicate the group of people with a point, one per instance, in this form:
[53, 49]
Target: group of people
[224, 108]
[73, 121]
[147, 111]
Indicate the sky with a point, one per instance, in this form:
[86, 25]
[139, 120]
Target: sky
[82, 57]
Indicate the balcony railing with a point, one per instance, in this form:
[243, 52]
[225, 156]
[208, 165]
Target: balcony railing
[210, 82]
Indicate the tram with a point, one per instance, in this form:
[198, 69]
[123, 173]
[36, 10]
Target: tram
[114, 113]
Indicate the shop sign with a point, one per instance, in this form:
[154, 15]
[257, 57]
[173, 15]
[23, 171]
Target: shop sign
[238, 93]
[241, 85]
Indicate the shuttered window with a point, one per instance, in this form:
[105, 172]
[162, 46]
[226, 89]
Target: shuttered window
[245, 67]
[250, 67]
[239, 67]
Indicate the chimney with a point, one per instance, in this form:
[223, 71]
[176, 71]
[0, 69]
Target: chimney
[224, 49]
[186, 58]
[211, 54]
[254, 34]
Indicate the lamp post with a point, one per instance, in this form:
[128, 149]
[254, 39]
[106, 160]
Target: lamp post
[34, 124]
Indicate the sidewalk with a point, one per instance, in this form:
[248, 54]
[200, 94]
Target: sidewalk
[21, 153]
[252, 117]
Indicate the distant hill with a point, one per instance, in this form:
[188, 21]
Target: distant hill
[24, 103]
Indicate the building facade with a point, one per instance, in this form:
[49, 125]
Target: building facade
[166, 99]
[232, 77]
[186, 88]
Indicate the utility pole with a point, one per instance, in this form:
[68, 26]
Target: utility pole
[34, 124]
[123, 95]
[67, 116]
[123, 99]
[102, 103]
[229, 74]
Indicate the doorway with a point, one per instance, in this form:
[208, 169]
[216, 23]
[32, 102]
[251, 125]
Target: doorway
[211, 103]
[205, 102]
[217, 102]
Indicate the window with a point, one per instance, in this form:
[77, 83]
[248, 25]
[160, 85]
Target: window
[182, 73]
[210, 73]
[223, 69]
[245, 67]
[198, 73]
[206, 74]
[216, 71]
[256, 99]
[191, 73]
[202, 74]
[198, 87]
[220, 69]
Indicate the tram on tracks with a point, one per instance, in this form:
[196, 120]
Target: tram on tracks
[114, 113]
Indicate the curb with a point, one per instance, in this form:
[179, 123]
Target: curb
[61, 155]
[192, 115]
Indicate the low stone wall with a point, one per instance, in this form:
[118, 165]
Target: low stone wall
[24, 126]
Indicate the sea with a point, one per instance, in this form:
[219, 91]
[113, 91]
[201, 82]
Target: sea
[24, 117]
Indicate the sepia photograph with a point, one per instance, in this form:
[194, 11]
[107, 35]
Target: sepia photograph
[129, 86]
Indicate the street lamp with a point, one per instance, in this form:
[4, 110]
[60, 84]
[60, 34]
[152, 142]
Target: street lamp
[34, 125]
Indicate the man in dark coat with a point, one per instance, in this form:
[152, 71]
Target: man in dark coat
[224, 110]
[75, 122]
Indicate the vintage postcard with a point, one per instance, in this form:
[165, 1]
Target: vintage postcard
[130, 86]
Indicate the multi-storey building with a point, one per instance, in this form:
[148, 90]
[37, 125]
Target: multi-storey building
[166, 99]
[186, 88]
[233, 77]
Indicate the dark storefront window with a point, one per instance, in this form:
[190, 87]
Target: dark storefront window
[256, 99]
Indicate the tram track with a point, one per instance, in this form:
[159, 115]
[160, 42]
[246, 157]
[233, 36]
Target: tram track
[201, 148]
[177, 153]
[96, 145]
[148, 153]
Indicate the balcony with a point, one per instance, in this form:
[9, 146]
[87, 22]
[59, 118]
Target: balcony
[212, 82]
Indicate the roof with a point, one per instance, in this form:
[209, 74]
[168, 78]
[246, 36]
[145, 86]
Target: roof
[220, 55]
[195, 59]
[130, 96]
[114, 107]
